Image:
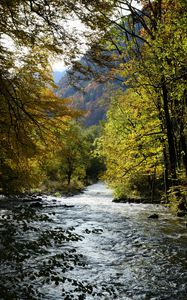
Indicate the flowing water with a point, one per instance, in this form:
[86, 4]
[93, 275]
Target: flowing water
[140, 258]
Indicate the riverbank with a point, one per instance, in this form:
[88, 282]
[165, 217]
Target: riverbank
[137, 200]
[180, 211]
[37, 199]
[41, 195]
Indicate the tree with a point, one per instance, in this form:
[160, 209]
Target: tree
[65, 168]
[74, 153]
[143, 44]
[31, 116]
[161, 67]
[72, 165]
[148, 48]
[131, 145]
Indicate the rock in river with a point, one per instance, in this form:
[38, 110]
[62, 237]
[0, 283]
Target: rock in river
[153, 216]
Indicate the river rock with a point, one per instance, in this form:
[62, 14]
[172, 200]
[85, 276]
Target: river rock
[135, 200]
[36, 205]
[153, 216]
[68, 206]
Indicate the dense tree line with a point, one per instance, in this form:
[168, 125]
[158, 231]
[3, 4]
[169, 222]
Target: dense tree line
[33, 119]
[142, 43]
[147, 125]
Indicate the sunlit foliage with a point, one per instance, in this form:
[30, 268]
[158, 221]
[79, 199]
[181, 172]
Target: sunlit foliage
[31, 116]
[149, 45]
[132, 145]
[142, 43]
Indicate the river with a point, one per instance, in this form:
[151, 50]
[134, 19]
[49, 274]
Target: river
[126, 255]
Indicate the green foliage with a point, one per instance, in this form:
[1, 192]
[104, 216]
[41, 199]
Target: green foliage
[148, 49]
[66, 167]
[96, 165]
[72, 165]
[131, 144]
[177, 197]
[151, 50]
[32, 117]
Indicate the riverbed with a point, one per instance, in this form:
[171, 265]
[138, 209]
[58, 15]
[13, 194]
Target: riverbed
[125, 255]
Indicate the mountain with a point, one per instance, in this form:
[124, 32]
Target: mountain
[88, 83]
[88, 95]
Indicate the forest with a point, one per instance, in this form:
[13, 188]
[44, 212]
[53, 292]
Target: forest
[93, 190]
[140, 149]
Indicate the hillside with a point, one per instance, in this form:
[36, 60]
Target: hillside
[93, 97]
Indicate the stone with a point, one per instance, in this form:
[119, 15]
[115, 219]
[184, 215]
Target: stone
[153, 216]
[36, 205]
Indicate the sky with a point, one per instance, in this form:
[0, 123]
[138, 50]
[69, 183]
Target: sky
[74, 25]
[58, 65]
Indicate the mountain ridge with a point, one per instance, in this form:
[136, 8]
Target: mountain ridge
[93, 97]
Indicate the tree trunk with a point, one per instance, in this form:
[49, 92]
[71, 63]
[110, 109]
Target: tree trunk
[69, 178]
[170, 137]
[184, 150]
[166, 173]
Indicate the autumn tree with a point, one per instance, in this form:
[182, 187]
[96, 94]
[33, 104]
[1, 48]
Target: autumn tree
[131, 145]
[143, 44]
[31, 116]
[146, 46]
